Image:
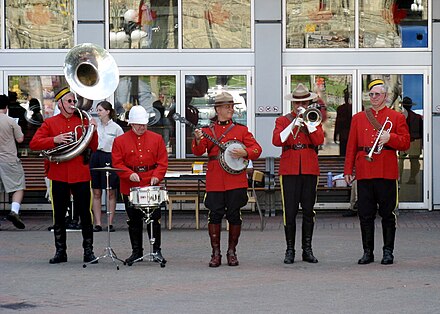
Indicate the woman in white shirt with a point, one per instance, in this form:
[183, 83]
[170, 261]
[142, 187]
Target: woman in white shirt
[108, 130]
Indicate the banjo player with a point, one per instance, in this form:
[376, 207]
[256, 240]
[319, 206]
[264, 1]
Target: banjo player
[226, 191]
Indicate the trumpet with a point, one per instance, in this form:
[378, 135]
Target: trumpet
[369, 157]
[312, 116]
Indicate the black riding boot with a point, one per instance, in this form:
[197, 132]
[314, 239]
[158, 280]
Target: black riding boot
[157, 236]
[389, 234]
[307, 234]
[367, 232]
[135, 233]
[290, 232]
[87, 233]
[60, 245]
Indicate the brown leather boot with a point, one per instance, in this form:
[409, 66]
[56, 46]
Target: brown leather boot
[214, 234]
[234, 234]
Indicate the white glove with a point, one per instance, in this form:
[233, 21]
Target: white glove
[311, 128]
[298, 122]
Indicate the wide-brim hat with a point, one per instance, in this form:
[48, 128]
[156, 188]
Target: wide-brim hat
[407, 101]
[224, 98]
[301, 93]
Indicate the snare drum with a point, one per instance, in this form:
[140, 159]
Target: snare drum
[148, 196]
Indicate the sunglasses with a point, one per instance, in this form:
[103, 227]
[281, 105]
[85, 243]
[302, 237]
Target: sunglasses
[72, 101]
[374, 94]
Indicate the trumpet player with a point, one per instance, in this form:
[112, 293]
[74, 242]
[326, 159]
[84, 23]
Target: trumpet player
[375, 136]
[71, 176]
[299, 169]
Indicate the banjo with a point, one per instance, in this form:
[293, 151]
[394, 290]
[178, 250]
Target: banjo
[227, 162]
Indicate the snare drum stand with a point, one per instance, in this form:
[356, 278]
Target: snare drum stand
[108, 251]
[152, 257]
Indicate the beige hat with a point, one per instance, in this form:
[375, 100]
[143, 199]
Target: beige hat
[224, 98]
[300, 93]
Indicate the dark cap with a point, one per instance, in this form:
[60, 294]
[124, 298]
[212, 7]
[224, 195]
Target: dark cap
[4, 101]
[63, 91]
[407, 102]
[375, 83]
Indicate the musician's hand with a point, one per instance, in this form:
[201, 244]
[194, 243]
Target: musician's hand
[311, 128]
[93, 122]
[154, 181]
[63, 138]
[349, 178]
[134, 177]
[299, 122]
[384, 138]
[198, 134]
[238, 152]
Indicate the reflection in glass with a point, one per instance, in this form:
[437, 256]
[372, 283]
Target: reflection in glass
[334, 90]
[405, 94]
[200, 91]
[143, 24]
[320, 24]
[216, 24]
[36, 95]
[393, 24]
[156, 94]
[40, 24]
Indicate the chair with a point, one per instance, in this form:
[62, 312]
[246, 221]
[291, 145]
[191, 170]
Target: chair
[182, 197]
[257, 176]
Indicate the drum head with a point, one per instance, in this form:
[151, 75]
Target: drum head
[236, 164]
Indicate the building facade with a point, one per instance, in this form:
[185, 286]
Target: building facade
[175, 55]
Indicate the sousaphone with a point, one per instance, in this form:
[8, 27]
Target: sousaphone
[91, 73]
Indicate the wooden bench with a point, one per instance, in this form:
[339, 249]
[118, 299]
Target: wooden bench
[183, 190]
[35, 192]
[325, 194]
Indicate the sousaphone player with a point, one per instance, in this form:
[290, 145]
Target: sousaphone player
[226, 193]
[68, 176]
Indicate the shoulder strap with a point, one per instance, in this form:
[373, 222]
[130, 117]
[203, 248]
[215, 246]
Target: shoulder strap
[370, 116]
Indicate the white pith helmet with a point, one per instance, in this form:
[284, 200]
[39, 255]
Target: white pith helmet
[137, 115]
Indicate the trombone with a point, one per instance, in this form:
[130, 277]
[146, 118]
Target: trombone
[369, 157]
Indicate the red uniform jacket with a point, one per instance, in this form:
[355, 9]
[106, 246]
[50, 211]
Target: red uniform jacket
[300, 161]
[217, 179]
[71, 171]
[130, 151]
[363, 134]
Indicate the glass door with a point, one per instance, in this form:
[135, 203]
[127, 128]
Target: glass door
[343, 92]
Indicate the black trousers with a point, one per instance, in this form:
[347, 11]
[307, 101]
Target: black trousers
[296, 190]
[228, 202]
[377, 195]
[60, 195]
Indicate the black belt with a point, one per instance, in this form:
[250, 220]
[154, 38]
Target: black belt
[368, 149]
[143, 168]
[298, 146]
[212, 158]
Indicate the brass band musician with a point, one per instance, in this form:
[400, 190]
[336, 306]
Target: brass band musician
[299, 170]
[375, 136]
[71, 176]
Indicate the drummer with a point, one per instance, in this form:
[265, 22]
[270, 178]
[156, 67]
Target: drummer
[226, 193]
[143, 156]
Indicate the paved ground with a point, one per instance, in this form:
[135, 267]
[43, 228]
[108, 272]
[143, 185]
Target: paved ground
[261, 284]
